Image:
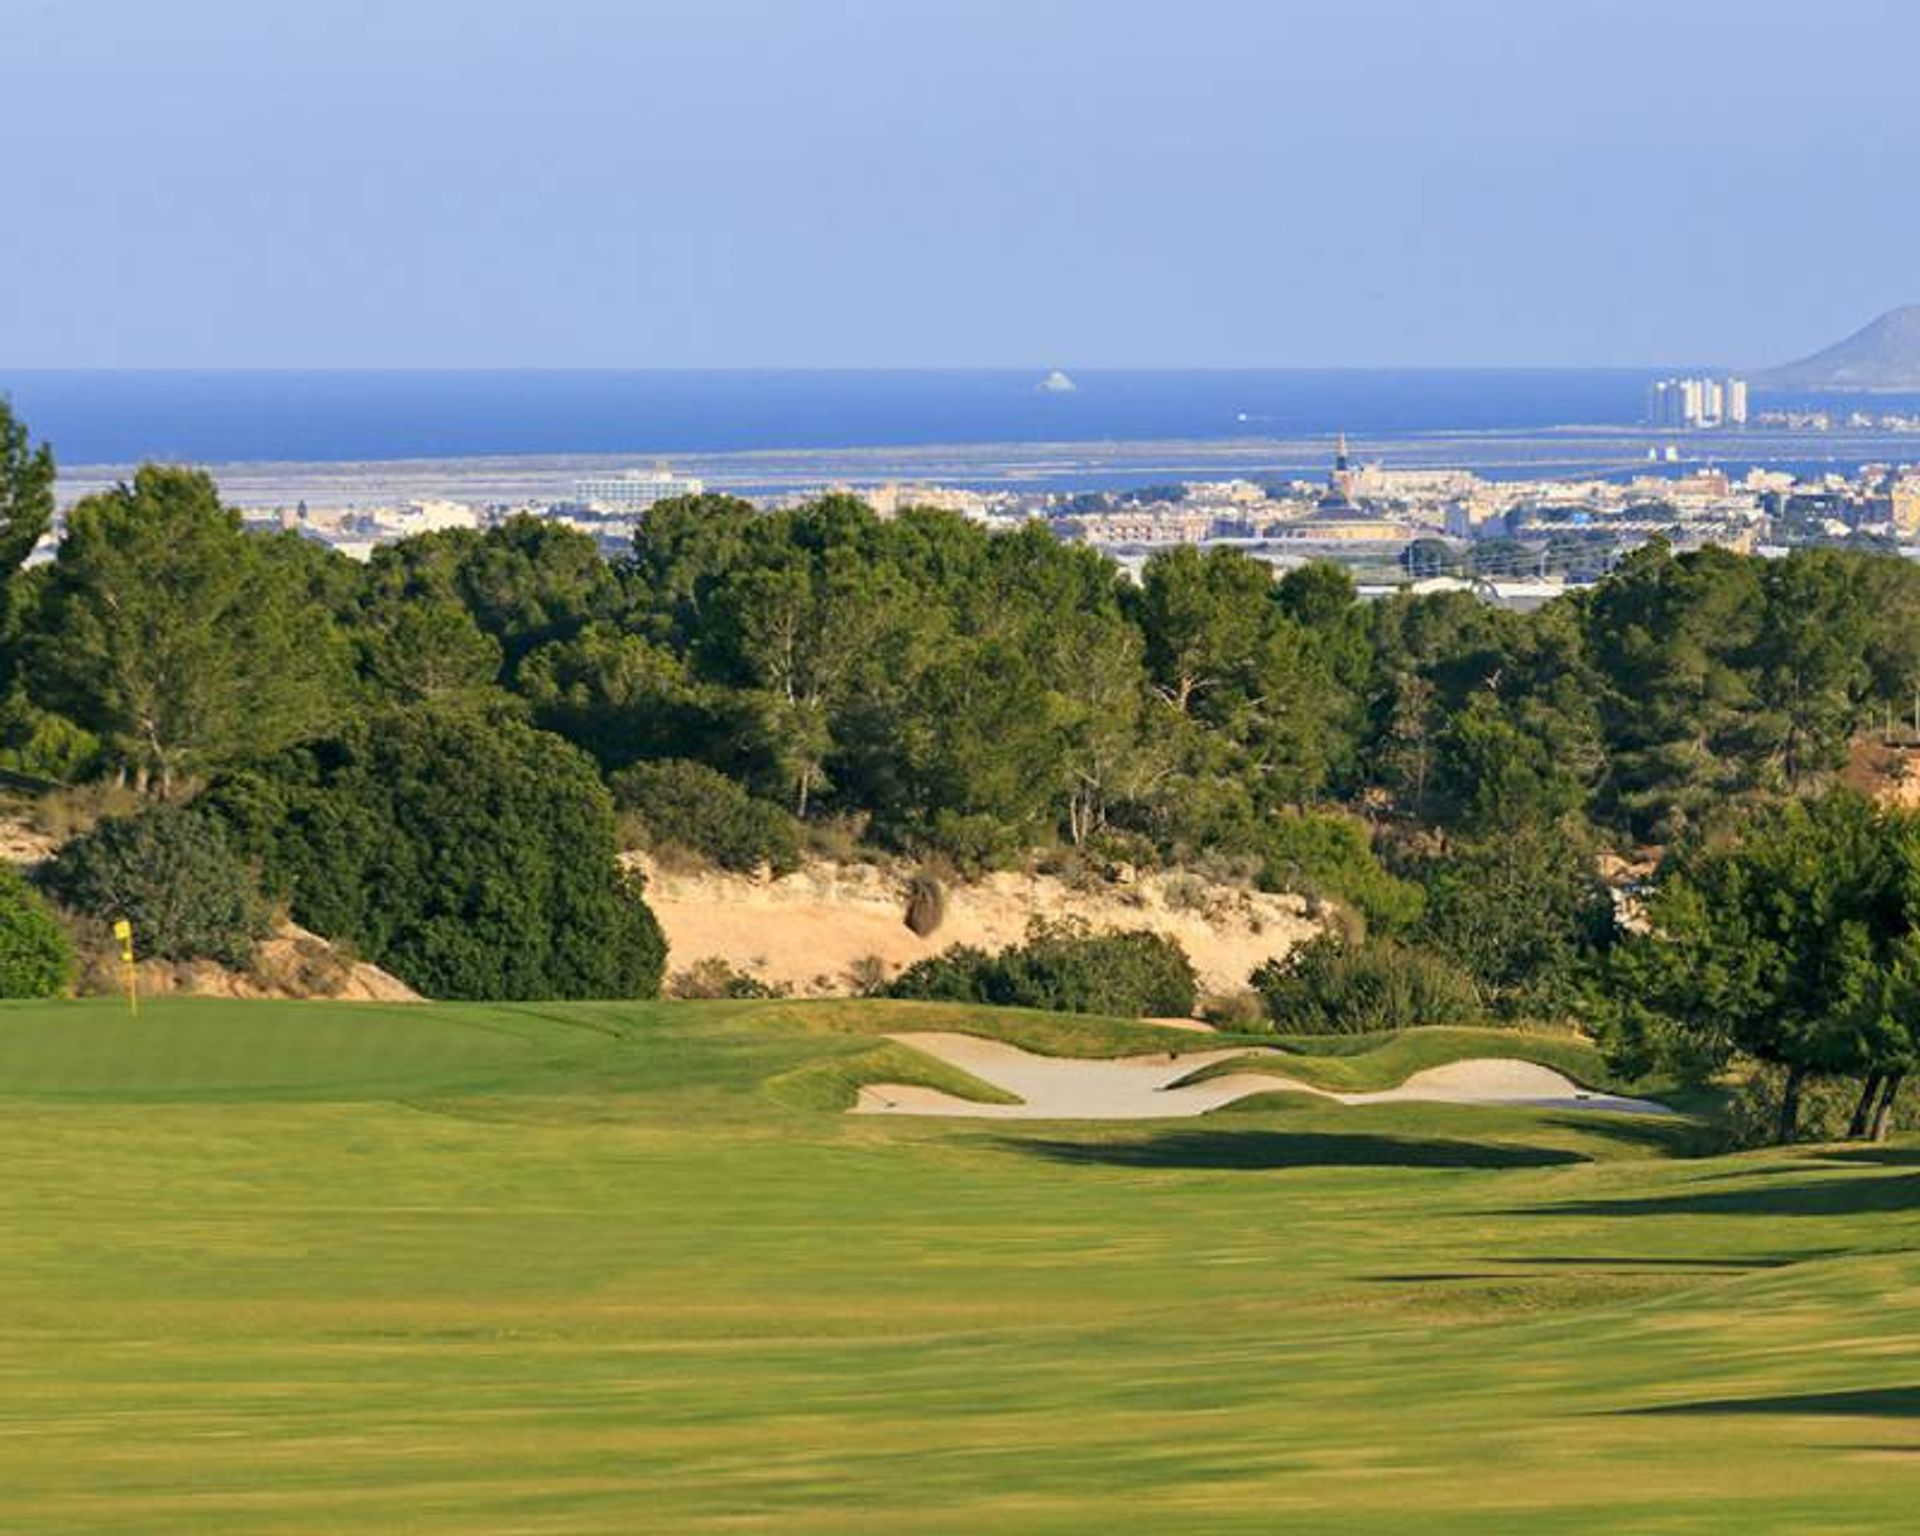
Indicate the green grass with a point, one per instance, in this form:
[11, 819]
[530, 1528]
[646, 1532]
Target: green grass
[308, 1268]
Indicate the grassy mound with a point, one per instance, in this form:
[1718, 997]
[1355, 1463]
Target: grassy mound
[1371, 1063]
[835, 1084]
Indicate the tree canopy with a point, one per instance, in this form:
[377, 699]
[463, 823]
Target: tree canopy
[470, 854]
[1796, 942]
[183, 642]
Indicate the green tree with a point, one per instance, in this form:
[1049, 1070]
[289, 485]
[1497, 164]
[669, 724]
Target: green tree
[1792, 944]
[682, 550]
[623, 698]
[430, 650]
[26, 496]
[803, 625]
[530, 581]
[1522, 909]
[1811, 657]
[179, 639]
[1329, 986]
[1672, 637]
[1224, 656]
[472, 855]
[526, 583]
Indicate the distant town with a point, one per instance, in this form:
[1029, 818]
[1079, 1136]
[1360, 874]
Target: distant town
[1517, 541]
[1538, 512]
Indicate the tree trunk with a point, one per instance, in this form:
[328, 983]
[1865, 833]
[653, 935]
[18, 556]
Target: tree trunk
[1790, 1106]
[1883, 1111]
[1863, 1111]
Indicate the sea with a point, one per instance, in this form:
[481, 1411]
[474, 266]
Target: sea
[1494, 420]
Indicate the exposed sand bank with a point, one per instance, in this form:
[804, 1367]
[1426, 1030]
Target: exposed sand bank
[807, 931]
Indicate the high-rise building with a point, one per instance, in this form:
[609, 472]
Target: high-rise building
[1697, 402]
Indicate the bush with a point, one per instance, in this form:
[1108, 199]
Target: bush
[1332, 855]
[975, 843]
[1066, 968]
[1751, 1116]
[926, 904]
[472, 856]
[36, 956]
[1234, 1012]
[1330, 987]
[867, 976]
[63, 814]
[39, 743]
[693, 806]
[713, 978]
[175, 874]
[1524, 912]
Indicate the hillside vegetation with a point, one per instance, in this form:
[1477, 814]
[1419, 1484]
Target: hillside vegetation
[439, 758]
[754, 686]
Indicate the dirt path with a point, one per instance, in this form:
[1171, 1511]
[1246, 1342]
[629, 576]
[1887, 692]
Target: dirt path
[1152, 1087]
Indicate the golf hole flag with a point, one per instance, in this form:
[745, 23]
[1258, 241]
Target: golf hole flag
[123, 931]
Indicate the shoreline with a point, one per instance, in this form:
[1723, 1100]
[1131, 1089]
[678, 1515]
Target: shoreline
[1571, 452]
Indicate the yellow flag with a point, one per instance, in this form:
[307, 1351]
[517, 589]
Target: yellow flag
[123, 931]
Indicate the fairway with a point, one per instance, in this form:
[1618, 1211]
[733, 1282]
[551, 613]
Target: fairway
[617, 1268]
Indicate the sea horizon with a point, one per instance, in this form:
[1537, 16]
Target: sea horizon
[96, 416]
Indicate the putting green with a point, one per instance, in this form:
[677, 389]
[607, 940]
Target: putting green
[621, 1268]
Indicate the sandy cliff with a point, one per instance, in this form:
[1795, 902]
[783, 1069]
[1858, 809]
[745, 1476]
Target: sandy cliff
[808, 930]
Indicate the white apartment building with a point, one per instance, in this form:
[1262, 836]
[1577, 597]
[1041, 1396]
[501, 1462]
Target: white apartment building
[634, 490]
[1697, 402]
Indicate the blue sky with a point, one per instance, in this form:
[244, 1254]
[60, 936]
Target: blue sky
[953, 182]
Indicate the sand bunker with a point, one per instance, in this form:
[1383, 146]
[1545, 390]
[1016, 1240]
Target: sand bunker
[1152, 1087]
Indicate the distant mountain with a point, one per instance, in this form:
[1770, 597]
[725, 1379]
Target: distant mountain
[1883, 355]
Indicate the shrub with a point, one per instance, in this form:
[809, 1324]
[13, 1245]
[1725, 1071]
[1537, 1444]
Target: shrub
[1330, 987]
[175, 874]
[836, 839]
[926, 904]
[472, 856]
[1064, 967]
[1524, 912]
[696, 807]
[1235, 1012]
[1186, 893]
[63, 814]
[36, 956]
[1332, 855]
[1751, 1116]
[958, 974]
[867, 976]
[713, 978]
[44, 745]
[975, 842]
